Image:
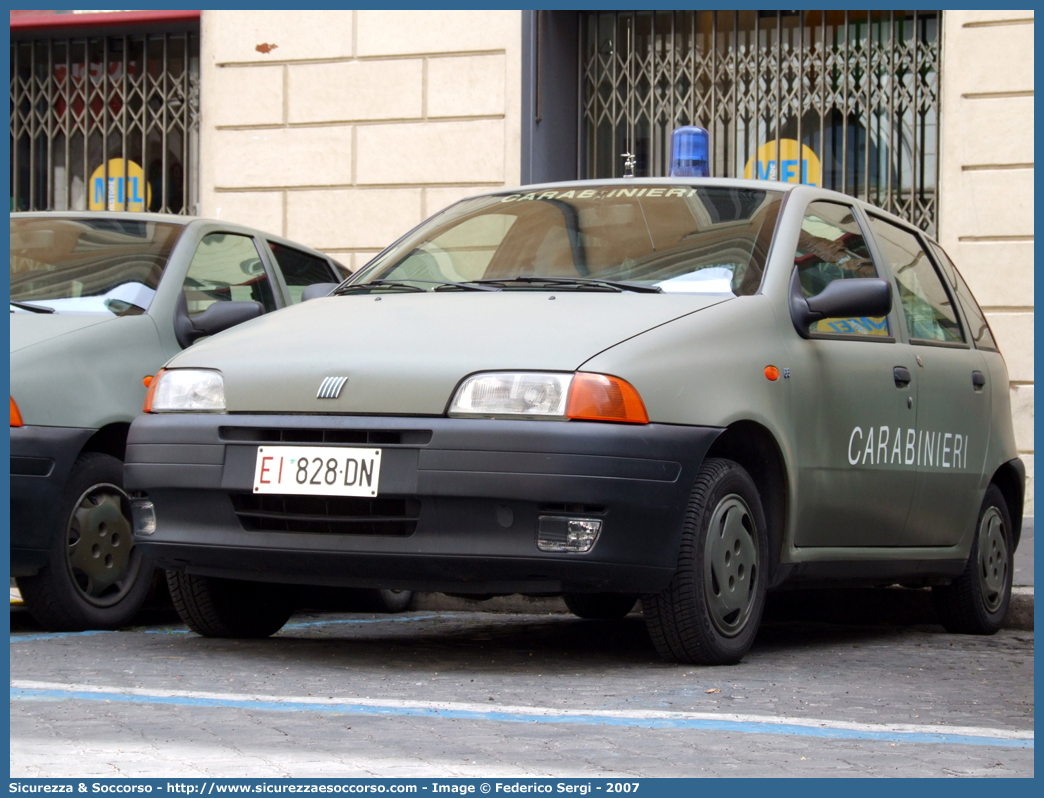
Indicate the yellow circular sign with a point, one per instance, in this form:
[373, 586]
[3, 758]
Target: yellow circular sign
[126, 189]
[787, 168]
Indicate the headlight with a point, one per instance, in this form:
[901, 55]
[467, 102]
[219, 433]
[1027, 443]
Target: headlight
[186, 391]
[527, 394]
[507, 393]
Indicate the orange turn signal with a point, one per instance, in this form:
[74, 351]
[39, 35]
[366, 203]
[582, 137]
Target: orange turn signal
[598, 397]
[771, 373]
[151, 382]
[146, 380]
[16, 417]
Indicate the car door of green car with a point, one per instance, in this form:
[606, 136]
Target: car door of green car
[953, 399]
[854, 400]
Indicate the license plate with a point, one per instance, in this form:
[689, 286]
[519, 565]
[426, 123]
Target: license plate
[317, 470]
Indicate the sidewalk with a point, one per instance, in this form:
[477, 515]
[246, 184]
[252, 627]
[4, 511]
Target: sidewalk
[1020, 614]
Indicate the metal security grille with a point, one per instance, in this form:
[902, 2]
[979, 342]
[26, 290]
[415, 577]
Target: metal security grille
[859, 90]
[106, 123]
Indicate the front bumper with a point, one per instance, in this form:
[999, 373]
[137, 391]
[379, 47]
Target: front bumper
[41, 459]
[468, 493]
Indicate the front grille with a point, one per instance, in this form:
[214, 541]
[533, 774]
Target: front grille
[586, 509]
[330, 515]
[364, 437]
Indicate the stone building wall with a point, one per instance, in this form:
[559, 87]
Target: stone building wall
[345, 129]
[986, 185]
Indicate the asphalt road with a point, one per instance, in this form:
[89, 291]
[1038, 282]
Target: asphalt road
[442, 694]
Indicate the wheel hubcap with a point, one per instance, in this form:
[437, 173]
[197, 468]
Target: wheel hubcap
[730, 565]
[993, 559]
[100, 546]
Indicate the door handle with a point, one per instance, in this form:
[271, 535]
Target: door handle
[978, 380]
[901, 375]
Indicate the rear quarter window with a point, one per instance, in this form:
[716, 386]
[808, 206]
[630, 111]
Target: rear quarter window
[978, 328]
[301, 269]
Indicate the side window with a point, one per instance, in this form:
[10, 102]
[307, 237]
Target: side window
[226, 267]
[831, 247]
[301, 269]
[930, 314]
[980, 330]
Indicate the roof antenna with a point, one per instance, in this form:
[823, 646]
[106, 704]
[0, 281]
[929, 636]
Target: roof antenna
[629, 159]
[628, 164]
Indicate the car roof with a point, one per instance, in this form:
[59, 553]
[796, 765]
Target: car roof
[733, 182]
[134, 216]
[167, 218]
[728, 182]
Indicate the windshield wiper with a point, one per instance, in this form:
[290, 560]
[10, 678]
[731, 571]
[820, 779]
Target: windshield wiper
[389, 285]
[404, 285]
[32, 308]
[579, 282]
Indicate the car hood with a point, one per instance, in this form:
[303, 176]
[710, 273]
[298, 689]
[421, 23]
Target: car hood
[406, 353]
[28, 329]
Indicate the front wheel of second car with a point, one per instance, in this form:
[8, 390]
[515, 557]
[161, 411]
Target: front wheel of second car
[95, 577]
[233, 608]
[711, 610]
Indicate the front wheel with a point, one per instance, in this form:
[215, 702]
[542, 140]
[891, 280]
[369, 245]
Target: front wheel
[216, 607]
[711, 610]
[976, 602]
[95, 577]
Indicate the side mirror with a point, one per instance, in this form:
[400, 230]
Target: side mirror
[860, 296]
[316, 290]
[219, 316]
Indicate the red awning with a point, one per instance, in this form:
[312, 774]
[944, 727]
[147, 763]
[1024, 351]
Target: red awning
[43, 20]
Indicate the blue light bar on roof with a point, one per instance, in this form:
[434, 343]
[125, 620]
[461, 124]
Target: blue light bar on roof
[690, 148]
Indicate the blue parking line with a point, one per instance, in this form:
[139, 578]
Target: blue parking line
[691, 724]
[55, 635]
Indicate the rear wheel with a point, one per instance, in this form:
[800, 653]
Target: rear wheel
[977, 601]
[600, 606]
[216, 607]
[711, 610]
[95, 577]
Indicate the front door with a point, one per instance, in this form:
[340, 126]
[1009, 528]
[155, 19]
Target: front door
[953, 399]
[855, 399]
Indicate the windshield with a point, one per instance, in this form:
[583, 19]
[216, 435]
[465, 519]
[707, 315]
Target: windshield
[671, 237]
[98, 266]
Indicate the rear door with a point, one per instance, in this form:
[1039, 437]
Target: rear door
[953, 399]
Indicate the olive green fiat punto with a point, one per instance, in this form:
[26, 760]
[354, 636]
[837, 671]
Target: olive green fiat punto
[689, 391]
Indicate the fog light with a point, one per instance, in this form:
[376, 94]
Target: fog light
[143, 512]
[559, 533]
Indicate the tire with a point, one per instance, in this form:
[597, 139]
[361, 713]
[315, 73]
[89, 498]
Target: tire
[216, 607]
[711, 610]
[600, 606]
[95, 577]
[976, 602]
